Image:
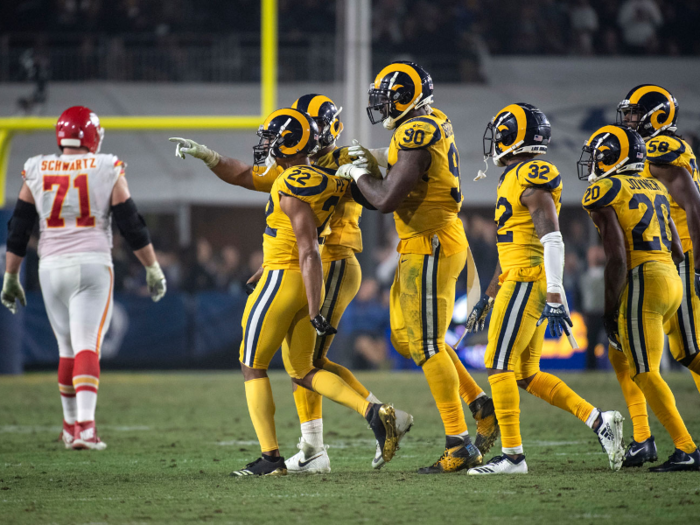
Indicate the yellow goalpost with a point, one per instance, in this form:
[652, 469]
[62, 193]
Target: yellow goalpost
[9, 126]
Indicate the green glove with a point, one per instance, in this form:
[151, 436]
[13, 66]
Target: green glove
[155, 279]
[188, 146]
[11, 291]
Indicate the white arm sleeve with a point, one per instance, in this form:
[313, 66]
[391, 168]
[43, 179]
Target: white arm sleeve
[382, 156]
[554, 262]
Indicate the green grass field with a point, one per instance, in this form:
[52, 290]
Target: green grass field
[174, 438]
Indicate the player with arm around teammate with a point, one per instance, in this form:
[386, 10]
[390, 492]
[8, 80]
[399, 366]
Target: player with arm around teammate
[75, 195]
[527, 289]
[341, 270]
[642, 287]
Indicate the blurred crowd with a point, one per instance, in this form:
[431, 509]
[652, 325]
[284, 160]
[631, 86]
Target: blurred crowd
[606, 27]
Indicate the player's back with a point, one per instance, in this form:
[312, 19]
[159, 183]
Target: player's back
[668, 150]
[436, 199]
[518, 244]
[73, 200]
[643, 211]
[320, 189]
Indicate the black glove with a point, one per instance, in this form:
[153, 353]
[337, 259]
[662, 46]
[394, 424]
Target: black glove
[477, 318]
[250, 287]
[557, 317]
[610, 324]
[322, 326]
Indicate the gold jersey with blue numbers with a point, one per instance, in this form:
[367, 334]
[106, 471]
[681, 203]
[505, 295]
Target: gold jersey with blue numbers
[643, 211]
[519, 246]
[320, 189]
[432, 206]
[674, 151]
[345, 238]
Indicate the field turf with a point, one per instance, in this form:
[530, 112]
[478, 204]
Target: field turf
[174, 438]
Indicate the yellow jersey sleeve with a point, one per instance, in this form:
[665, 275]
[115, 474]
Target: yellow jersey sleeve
[264, 182]
[303, 182]
[601, 194]
[419, 132]
[665, 150]
[539, 174]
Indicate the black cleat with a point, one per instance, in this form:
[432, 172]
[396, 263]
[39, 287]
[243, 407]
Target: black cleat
[382, 421]
[263, 467]
[679, 461]
[639, 453]
[487, 430]
[459, 454]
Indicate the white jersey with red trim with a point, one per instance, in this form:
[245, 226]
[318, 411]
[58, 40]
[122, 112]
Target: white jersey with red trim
[73, 196]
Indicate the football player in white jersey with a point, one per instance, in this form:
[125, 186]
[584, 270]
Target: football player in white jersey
[75, 195]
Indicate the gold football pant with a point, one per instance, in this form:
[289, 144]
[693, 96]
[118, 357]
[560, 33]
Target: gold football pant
[651, 298]
[683, 329]
[421, 306]
[514, 348]
[342, 281]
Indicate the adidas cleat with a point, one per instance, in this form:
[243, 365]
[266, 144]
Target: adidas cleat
[610, 437]
[309, 460]
[501, 465]
[404, 422]
[679, 461]
[382, 421]
[459, 454]
[85, 437]
[487, 429]
[67, 435]
[262, 467]
[639, 453]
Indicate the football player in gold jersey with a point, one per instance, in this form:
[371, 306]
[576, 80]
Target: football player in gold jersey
[642, 287]
[529, 275]
[422, 189]
[653, 112]
[342, 273]
[285, 306]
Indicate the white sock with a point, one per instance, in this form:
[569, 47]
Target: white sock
[86, 402]
[312, 432]
[513, 450]
[463, 435]
[70, 409]
[373, 399]
[592, 418]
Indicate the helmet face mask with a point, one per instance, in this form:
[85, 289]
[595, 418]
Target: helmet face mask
[516, 129]
[611, 150]
[286, 133]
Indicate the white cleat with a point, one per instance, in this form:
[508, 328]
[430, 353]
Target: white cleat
[86, 437]
[309, 460]
[404, 422]
[500, 465]
[610, 437]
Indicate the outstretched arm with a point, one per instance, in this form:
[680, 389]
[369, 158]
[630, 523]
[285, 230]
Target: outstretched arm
[387, 194]
[684, 191]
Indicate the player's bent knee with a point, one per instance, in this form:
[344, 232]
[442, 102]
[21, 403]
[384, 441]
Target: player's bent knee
[252, 373]
[321, 363]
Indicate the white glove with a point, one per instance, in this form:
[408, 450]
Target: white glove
[187, 146]
[11, 291]
[155, 279]
[351, 172]
[356, 150]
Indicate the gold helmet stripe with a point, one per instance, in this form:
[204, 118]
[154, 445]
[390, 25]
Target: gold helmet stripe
[637, 95]
[624, 145]
[403, 68]
[520, 118]
[316, 103]
[298, 116]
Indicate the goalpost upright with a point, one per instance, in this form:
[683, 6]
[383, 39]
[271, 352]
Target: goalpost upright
[9, 126]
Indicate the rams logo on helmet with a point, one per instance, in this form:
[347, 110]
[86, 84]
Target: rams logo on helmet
[648, 109]
[610, 150]
[286, 133]
[397, 89]
[517, 128]
[324, 111]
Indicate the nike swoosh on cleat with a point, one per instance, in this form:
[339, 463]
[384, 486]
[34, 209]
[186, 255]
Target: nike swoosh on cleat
[691, 461]
[304, 463]
[636, 452]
